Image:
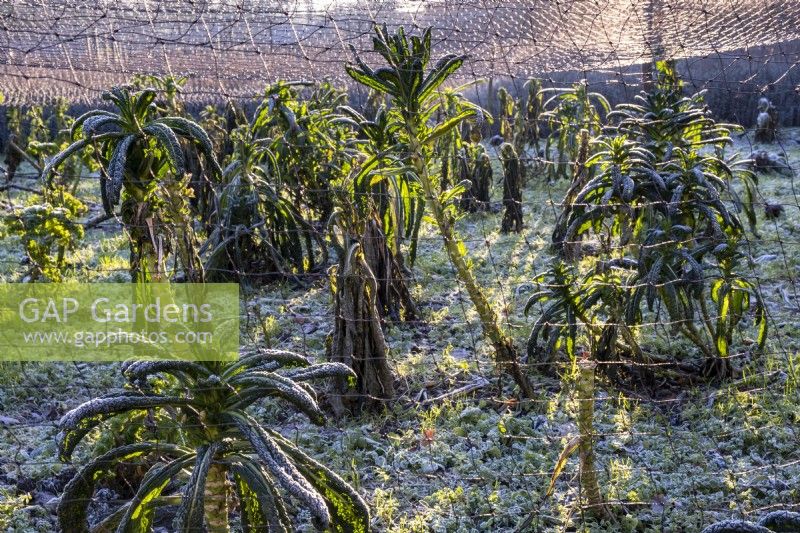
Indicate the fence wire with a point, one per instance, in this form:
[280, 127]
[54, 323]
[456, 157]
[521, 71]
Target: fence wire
[76, 49]
[456, 449]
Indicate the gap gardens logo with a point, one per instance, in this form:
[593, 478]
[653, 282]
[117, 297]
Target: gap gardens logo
[115, 322]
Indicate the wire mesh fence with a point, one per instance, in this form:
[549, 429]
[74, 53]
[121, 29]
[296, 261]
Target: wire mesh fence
[78, 49]
[675, 446]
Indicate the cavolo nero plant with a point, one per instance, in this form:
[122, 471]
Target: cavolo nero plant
[520, 125]
[475, 167]
[513, 177]
[45, 146]
[26, 128]
[379, 204]
[204, 451]
[514, 128]
[143, 165]
[170, 103]
[662, 242]
[534, 107]
[378, 207]
[411, 85]
[307, 139]
[255, 230]
[463, 158]
[453, 148]
[567, 112]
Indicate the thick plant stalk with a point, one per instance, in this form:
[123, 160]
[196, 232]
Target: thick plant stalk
[483, 181]
[766, 122]
[393, 298]
[216, 500]
[533, 110]
[357, 340]
[588, 473]
[476, 168]
[580, 177]
[505, 352]
[184, 236]
[512, 189]
[506, 103]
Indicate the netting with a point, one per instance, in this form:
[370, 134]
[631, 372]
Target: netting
[456, 447]
[75, 49]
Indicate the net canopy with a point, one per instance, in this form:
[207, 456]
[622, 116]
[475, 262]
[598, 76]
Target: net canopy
[78, 48]
[320, 219]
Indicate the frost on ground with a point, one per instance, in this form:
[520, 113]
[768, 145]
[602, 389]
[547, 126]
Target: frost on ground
[669, 459]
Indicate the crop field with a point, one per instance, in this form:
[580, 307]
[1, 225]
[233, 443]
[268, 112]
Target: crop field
[538, 313]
